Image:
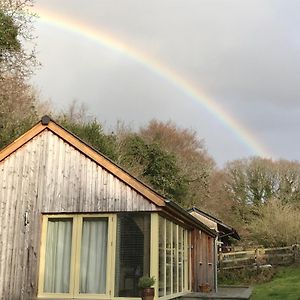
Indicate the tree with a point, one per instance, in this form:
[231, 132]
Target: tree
[18, 108]
[92, 133]
[16, 21]
[18, 104]
[194, 163]
[288, 184]
[8, 35]
[276, 225]
[220, 203]
[252, 182]
[152, 164]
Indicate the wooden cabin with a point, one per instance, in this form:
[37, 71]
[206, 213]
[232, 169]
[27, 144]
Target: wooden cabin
[75, 225]
[225, 232]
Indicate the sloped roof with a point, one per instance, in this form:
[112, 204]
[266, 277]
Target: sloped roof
[226, 229]
[47, 123]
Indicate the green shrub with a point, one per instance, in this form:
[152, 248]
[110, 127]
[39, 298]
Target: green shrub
[245, 276]
[146, 282]
[277, 224]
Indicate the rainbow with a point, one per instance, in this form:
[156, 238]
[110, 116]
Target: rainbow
[107, 40]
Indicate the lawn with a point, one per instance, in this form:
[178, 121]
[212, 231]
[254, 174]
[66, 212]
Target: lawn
[284, 286]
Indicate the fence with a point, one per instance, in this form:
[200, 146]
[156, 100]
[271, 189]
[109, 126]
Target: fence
[259, 257]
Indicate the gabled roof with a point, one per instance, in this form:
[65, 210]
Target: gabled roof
[224, 228]
[47, 123]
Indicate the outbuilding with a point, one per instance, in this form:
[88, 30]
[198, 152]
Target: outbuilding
[75, 225]
[225, 232]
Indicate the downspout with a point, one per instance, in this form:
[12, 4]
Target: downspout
[215, 264]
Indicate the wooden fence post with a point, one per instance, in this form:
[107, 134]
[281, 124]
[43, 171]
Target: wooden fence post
[220, 260]
[296, 250]
[256, 253]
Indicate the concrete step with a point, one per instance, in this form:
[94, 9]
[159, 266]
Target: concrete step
[224, 292]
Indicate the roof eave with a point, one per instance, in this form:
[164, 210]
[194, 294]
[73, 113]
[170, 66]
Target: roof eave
[173, 205]
[231, 231]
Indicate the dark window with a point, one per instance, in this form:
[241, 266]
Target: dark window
[132, 253]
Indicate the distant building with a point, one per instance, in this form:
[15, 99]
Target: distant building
[224, 231]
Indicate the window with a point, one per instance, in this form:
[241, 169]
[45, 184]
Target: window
[132, 253]
[173, 258]
[75, 256]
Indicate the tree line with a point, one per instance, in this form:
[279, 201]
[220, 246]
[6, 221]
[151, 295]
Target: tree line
[259, 197]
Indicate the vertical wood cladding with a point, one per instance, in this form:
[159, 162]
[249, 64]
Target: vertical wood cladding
[203, 260]
[47, 175]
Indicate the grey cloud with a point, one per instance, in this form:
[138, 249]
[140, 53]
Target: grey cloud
[243, 54]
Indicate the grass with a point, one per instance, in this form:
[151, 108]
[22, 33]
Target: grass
[284, 286]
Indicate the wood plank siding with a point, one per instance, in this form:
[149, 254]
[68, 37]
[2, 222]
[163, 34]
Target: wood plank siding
[203, 267]
[47, 175]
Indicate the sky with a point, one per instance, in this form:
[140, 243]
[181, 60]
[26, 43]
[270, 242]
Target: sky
[228, 69]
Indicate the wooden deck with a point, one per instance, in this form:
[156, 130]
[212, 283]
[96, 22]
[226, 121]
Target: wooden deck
[226, 292]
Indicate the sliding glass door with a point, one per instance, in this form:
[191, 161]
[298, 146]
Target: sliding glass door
[132, 253]
[58, 256]
[93, 257]
[173, 258]
[75, 255]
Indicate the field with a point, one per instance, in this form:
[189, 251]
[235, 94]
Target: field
[284, 286]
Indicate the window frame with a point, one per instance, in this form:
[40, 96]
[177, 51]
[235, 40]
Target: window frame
[77, 222]
[184, 251]
[151, 222]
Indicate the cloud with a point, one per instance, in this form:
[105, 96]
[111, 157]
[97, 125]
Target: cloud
[243, 54]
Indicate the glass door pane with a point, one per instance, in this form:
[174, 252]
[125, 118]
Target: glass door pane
[175, 258]
[162, 257]
[168, 257]
[180, 259]
[132, 253]
[93, 258]
[58, 256]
